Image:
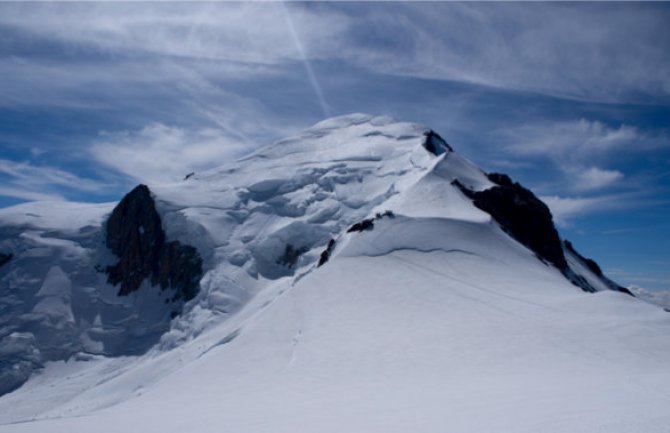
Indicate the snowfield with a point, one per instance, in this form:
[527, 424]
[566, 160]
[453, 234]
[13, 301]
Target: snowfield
[433, 320]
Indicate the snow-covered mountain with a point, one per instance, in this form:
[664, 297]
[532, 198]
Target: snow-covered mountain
[360, 277]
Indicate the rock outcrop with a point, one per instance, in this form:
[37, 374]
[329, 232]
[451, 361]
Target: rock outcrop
[589, 263]
[522, 215]
[136, 236]
[291, 255]
[528, 220]
[435, 144]
[325, 254]
[595, 268]
[366, 224]
[369, 223]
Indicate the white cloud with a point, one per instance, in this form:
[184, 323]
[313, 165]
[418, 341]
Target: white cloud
[208, 57]
[33, 176]
[163, 154]
[565, 209]
[659, 295]
[580, 149]
[126, 56]
[24, 194]
[576, 140]
[234, 32]
[31, 182]
[596, 178]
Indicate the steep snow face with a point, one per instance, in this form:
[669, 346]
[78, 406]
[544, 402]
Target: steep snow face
[428, 316]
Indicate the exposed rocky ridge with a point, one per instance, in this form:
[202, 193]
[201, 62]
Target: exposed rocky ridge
[593, 266]
[436, 144]
[589, 263]
[325, 254]
[291, 255]
[528, 220]
[369, 223]
[366, 224]
[136, 236]
[521, 214]
[579, 281]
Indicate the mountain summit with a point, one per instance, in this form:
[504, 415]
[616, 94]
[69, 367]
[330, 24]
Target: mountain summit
[361, 276]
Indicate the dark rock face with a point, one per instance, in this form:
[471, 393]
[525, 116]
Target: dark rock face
[387, 213]
[367, 224]
[500, 179]
[180, 267]
[590, 263]
[579, 281]
[435, 144]
[325, 255]
[135, 235]
[593, 267]
[522, 215]
[291, 255]
[626, 291]
[5, 258]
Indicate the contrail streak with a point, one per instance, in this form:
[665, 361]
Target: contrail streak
[305, 61]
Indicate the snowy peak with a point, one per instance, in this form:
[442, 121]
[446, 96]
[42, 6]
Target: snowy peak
[171, 262]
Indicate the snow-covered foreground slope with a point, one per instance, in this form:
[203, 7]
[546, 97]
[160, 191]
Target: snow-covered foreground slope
[433, 319]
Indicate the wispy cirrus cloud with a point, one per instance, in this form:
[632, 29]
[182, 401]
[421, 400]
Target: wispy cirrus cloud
[188, 67]
[578, 139]
[196, 65]
[594, 52]
[564, 209]
[33, 182]
[162, 154]
[21, 193]
[234, 32]
[580, 149]
[108, 55]
[595, 178]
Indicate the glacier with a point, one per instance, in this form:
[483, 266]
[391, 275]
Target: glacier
[432, 318]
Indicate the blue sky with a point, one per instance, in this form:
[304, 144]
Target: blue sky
[572, 100]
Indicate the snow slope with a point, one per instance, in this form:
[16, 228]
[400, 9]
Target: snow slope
[433, 320]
